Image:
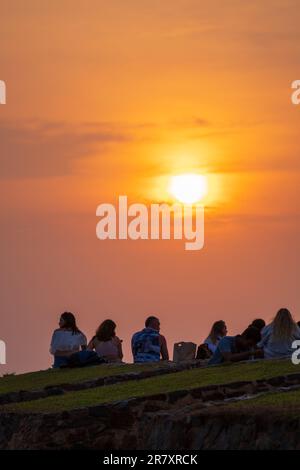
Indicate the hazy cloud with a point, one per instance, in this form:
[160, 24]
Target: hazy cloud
[48, 149]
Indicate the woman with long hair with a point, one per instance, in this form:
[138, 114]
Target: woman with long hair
[106, 344]
[217, 332]
[278, 336]
[66, 340]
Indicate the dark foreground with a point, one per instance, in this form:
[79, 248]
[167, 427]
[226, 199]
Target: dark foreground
[252, 413]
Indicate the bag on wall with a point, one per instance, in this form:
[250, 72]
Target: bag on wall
[184, 351]
[84, 358]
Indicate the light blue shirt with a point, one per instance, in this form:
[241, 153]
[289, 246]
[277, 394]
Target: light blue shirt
[226, 344]
[274, 347]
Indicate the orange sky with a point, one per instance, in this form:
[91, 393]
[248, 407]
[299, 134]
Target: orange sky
[108, 98]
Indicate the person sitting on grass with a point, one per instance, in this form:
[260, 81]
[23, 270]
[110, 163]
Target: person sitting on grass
[238, 348]
[218, 331]
[149, 345]
[258, 323]
[106, 344]
[278, 336]
[66, 340]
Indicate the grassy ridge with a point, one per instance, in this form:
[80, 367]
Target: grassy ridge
[285, 403]
[177, 381]
[41, 379]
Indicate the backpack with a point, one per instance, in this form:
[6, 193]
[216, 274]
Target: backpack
[203, 352]
[84, 358]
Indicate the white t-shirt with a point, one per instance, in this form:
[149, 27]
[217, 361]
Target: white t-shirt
[212, 346]
[67, 341]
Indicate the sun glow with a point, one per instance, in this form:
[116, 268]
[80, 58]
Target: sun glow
[188, 188]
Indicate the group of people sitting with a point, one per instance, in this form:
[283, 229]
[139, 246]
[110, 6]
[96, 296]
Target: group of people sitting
[69, 345]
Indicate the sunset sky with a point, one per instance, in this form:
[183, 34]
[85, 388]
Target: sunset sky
[114, 97]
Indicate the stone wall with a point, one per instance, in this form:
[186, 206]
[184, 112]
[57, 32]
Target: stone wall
[62, 388]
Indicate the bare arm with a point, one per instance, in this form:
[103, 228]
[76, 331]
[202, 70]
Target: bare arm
[120, 351]
[91, 345]
[235, 357]
[164, 348]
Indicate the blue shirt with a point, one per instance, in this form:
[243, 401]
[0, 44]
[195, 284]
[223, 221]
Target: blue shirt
[277, 347]
[145, 345]
[226, 344]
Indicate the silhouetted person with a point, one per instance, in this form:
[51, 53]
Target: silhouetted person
[106, 344]
[237, 348]
[149, 345]
[278, 336]
[217, 332]
[66, 340]
[258, 323]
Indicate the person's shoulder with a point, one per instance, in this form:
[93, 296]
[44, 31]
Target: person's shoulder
[78, 332]
[266, 329]
[82, 337]
[137, 333]
[116, 339]
[57, 330]
[62, 331]
[95, 341]
[225, 339]
[162, 338]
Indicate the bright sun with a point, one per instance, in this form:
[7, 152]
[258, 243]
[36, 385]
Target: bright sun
[188, 188]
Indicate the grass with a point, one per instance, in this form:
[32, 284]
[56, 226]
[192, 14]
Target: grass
[165, 383]
[287, 403]
[41, 379]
